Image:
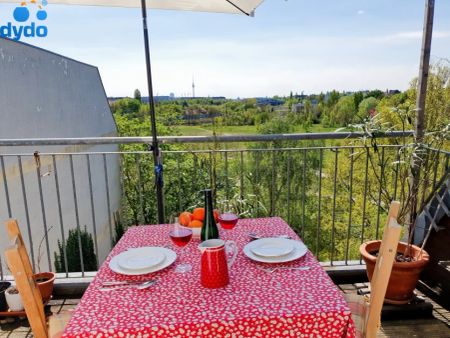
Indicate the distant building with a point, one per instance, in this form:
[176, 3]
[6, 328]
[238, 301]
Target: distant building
[392, 91]
[46, 95]
[114, 99]
[187, 98]
[267, 101]
[298, 107]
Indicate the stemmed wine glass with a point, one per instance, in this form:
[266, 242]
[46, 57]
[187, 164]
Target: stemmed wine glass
[228, 219]
[180, 236]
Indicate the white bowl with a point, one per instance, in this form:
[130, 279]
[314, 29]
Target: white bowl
[196, 232]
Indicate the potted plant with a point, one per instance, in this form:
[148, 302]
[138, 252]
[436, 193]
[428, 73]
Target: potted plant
[413, 166]
[44, 280]
[3, 287]
[13, 299]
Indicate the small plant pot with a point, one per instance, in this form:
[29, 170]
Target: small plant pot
[13, 299]
[3, 287]
[45, 282]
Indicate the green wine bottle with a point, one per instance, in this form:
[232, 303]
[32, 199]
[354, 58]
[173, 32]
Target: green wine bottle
[209, 228]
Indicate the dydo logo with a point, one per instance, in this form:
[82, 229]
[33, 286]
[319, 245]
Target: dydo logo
[25, 26]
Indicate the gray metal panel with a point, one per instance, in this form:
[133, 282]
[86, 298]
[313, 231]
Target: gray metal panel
[43, 94]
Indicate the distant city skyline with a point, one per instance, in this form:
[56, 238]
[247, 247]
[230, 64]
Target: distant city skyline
[302, 95]
[297, 46]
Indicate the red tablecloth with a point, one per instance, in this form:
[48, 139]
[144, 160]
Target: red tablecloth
[289, 303]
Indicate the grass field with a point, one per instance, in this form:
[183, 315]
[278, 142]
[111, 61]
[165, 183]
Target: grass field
[205, 130]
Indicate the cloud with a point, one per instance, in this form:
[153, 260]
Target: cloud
[360, 12]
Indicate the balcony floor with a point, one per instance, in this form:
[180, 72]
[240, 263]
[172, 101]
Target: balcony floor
[436, 327]
[19, 327]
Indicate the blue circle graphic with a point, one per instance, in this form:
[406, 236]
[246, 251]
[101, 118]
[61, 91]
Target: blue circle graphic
[41, 14]
[21, 14]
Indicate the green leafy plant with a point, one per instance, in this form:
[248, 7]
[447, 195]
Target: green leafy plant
[119, 228]
[72, 249]
[412, 160]
[244, 207]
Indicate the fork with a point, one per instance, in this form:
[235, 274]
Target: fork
[129, 282]
[140, 286]
[271, 270]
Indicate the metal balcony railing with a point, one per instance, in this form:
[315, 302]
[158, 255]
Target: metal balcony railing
[73, 195]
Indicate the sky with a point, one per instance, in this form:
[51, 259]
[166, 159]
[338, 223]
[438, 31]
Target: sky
[294, 45]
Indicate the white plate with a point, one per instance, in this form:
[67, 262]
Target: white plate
[272, 247]
[170, 257]
[138, 260]
[299, 250]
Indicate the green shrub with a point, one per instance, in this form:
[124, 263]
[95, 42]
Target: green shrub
[119, 228]
[73, 252]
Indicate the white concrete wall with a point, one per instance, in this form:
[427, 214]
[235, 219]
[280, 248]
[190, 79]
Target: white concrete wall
[45, 95]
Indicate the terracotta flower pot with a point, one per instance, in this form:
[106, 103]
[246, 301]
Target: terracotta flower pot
[404, 275]
[45, 281]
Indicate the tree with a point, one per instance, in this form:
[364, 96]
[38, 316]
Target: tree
[137, 95]
[119, 228]
[358, 97]
[126, 106]
[343, 112]
[437, 103]
[437, 99]
[333, 98]
[73, 252]
[367, 107]
[378, 94]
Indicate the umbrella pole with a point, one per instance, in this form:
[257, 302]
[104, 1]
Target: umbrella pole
[155, 148]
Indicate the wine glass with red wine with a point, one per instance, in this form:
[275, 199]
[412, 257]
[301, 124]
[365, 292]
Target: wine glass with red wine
[180, 236]
[228, 220]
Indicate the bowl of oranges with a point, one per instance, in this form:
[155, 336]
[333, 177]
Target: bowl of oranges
[194, 220]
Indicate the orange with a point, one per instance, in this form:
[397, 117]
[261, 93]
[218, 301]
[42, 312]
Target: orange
[199, 214]
[195, 224]
[216, 215]
[184, 218]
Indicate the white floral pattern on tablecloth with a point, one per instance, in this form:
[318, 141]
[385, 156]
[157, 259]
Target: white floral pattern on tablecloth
[291, 303]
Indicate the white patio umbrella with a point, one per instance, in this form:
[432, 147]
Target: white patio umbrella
[244, 7]
[219, 6]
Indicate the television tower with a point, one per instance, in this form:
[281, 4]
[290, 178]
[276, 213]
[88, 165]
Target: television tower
[193, 87]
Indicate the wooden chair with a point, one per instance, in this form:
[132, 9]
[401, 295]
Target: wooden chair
[19, 264]
[12, 227]
[366, 312]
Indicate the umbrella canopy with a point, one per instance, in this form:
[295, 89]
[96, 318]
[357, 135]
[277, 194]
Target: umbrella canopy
[220, 6]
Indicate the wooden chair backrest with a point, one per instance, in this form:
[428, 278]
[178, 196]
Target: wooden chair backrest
[12, 227]
[29, 293]
[382, 271]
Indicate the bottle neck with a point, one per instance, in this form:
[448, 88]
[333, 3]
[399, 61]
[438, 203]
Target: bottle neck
[208, 202]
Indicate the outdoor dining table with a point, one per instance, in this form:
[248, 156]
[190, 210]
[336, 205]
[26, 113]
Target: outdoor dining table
[256, 303]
